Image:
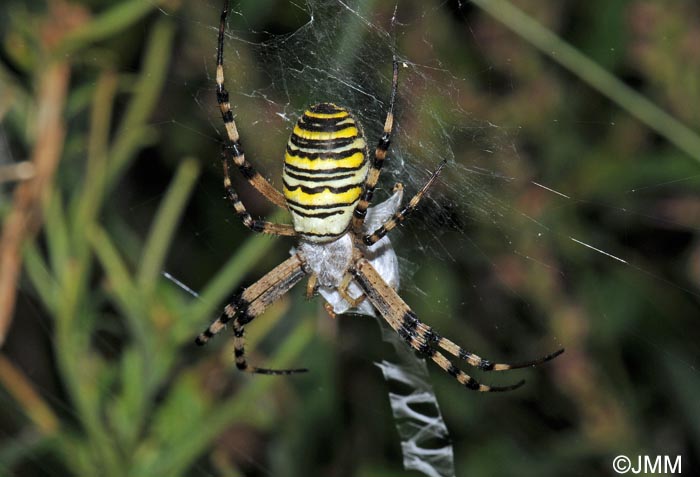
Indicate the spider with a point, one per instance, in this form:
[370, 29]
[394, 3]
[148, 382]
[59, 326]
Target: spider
[329, 182]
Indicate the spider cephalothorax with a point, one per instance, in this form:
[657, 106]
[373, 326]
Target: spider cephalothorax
[343, 248]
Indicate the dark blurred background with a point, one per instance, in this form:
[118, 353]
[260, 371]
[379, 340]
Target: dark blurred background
[568, 216]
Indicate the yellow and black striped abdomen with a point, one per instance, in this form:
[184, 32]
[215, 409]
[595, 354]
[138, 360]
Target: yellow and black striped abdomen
[324, 171]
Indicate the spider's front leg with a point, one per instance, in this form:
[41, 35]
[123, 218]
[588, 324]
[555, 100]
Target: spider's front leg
[252, 302]
[423, 338]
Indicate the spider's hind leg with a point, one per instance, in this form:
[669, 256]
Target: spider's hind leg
[233, 142]
[380, 153]
[251, 303]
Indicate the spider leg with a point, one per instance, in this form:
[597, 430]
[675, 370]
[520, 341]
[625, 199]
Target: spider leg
[402, 319]
[401, 215]
[329, 309]
[312, 286]
[255, 225]
[233, 142]
[252, 302]
[485, 364]
[358, 216]
[343, 291]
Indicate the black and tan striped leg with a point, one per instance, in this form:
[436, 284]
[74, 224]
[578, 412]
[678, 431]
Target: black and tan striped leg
[233, 143]
[358, 217]
[484, 364]
[252, 302]
[401, 215]
[420, 336]
[255, 225]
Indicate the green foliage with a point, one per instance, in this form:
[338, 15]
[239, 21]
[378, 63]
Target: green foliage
[141, 412]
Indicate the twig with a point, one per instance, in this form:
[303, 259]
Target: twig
[24, 218]
[29, 399]
[18, 172]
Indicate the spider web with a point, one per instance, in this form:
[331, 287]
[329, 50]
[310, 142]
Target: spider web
[338, 54]
[330, 64]
[486, 202]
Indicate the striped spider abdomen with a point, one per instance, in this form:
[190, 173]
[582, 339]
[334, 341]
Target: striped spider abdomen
[325, 168]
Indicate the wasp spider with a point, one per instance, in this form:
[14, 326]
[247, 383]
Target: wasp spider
[329, 181]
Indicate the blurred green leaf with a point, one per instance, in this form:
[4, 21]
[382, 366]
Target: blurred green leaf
[171, 208]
